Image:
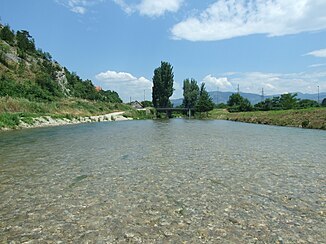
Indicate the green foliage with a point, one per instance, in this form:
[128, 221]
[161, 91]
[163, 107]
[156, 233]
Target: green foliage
[9, 120]
[146, 104]
[139, 114]
[110, 96]
[285, 102]
[237, 103]
[307, 103]
[205, 102]
[190, 93]
[163, 85]
[7, 34]
[25, 42]
[269, 104]
[221, 106]
[305, 123]
[288, 101]
[86, 89]
[27, 120]
[48, 85]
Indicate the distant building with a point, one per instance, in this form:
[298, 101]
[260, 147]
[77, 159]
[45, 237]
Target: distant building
[98, 88]
[136, 105]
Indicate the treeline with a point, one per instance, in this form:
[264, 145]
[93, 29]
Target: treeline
[237, 103]
[194, 97]
[30, 73]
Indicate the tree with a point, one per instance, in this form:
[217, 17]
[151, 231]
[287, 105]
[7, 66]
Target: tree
[25, 41]
[190, 93]
[205, 102]
[288, 101]
[162, 85]
[7, 34]
[307, 103]
[235, 99]
[237, 103]
[147, 104]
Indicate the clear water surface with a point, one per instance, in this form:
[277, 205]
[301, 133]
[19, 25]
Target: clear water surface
[163, 181]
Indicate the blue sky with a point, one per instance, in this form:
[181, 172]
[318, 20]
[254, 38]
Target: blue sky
[278, 45]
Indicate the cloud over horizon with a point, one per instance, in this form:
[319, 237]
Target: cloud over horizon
[126, 85]
[213, 83]
[273, 83]
[225, 19]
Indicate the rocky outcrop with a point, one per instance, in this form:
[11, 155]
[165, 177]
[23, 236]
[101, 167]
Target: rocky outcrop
[62, 81]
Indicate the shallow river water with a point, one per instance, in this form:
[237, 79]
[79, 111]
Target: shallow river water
[179, 181]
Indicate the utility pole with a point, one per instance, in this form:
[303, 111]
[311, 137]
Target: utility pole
[318, 93]
[262, 94]
[217, 96]
[144, 96]
[238, 89]
[130, 100]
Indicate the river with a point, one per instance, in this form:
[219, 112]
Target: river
[163, 181]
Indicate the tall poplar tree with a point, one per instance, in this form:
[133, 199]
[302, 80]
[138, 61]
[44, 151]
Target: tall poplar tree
[190, 93]
[163, 85]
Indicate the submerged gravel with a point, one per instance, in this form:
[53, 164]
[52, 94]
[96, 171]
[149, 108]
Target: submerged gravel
[176, 181]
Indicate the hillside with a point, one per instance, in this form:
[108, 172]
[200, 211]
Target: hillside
[34, 87]
[27, 72]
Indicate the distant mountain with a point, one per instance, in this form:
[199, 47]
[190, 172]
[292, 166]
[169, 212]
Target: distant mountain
[223, 97]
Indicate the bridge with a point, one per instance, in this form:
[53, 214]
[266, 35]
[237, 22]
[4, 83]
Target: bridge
[169, 111]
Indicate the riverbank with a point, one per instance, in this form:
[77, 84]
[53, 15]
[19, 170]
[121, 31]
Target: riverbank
[19, 121]
[19, 113]
[312, 118]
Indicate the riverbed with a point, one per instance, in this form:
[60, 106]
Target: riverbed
[163, 181]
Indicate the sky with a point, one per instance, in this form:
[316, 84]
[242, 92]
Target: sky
[278, 45]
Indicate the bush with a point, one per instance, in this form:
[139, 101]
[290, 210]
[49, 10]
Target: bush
[9, 120]
[237, 103]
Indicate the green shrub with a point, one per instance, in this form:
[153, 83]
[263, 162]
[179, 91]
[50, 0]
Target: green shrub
[9, 120]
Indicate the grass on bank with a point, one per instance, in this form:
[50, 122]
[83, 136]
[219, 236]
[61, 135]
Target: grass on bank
[314, 118]
[140, 114]
[72, 106]
[14, 110]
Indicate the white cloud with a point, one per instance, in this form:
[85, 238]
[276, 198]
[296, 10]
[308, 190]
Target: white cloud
[158, 8]
[151, 8]
[213, 83]
[78, 10]
[125, 7]
[78, 6]
[226, 19]
[316, 65]
[278, 83]
[126, 85]
[321, 53]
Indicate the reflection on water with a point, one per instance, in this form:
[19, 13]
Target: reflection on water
[163, 181]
